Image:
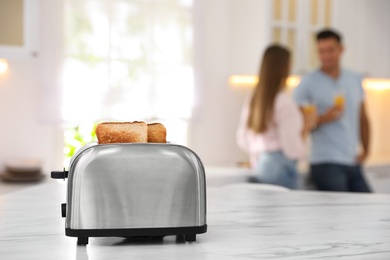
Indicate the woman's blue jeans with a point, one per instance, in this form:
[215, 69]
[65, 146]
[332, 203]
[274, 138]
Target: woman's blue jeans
[275, 168]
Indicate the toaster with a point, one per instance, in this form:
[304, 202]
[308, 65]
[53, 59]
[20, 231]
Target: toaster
[132, 190]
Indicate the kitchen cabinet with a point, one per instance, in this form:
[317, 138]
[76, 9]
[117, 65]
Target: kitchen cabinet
[364, 25]
[19, 28]
[294, 23]
[377, 106]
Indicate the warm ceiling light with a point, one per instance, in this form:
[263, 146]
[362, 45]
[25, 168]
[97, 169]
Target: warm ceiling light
[243, 80]
[249, 81]
[3, 66]
[376, 84]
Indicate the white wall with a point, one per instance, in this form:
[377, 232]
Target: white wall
[377, 50]
[228, 40]
[366, 32]
[29, 128]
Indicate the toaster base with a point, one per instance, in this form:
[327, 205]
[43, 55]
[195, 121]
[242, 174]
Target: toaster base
[84, 234]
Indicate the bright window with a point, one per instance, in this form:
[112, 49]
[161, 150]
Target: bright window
[128, 60]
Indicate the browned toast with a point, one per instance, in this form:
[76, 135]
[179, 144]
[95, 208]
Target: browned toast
[122, 132]
[157, 133]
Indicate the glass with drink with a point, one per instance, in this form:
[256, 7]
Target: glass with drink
[309, 108]
[339, 100]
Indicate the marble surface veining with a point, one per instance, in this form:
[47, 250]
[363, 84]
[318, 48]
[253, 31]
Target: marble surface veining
[244, 222]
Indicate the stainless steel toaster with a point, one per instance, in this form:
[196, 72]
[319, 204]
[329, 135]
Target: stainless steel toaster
[134, 189]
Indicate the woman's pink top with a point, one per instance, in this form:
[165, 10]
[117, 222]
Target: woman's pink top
[283, 132]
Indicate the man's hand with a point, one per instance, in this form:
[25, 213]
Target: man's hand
[332, 114]
[361, 157]
[310, 121]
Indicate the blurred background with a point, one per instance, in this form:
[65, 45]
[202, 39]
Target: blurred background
[66, 65]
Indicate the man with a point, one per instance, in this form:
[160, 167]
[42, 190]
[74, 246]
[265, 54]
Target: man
[340, 142]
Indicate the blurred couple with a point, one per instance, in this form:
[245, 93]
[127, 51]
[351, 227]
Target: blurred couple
[328, 104]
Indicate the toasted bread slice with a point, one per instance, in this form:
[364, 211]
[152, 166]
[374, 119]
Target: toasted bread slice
[157, 133]
[122, 132]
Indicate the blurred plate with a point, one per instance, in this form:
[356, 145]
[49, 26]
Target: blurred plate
[6, 176]
[23, 165]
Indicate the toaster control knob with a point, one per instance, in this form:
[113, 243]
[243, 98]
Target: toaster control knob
[63, 210]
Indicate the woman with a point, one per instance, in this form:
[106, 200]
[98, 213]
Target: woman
[272, 128]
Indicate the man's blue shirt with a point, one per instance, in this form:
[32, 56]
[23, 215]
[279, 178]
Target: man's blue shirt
[337, 141]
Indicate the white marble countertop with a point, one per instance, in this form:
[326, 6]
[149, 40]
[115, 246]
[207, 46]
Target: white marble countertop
[244, 222]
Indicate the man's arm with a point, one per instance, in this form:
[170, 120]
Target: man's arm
[364, 133]
[332, 114]
[310, 121]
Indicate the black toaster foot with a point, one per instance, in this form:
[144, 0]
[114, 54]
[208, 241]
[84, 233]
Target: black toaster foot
[82, 240]
[190, 237]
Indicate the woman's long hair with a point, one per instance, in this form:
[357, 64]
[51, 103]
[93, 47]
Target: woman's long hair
[273, 73]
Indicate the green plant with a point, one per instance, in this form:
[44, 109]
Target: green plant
[76, 136]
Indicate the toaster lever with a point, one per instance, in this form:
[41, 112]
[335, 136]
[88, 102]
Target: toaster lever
[59, 175]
